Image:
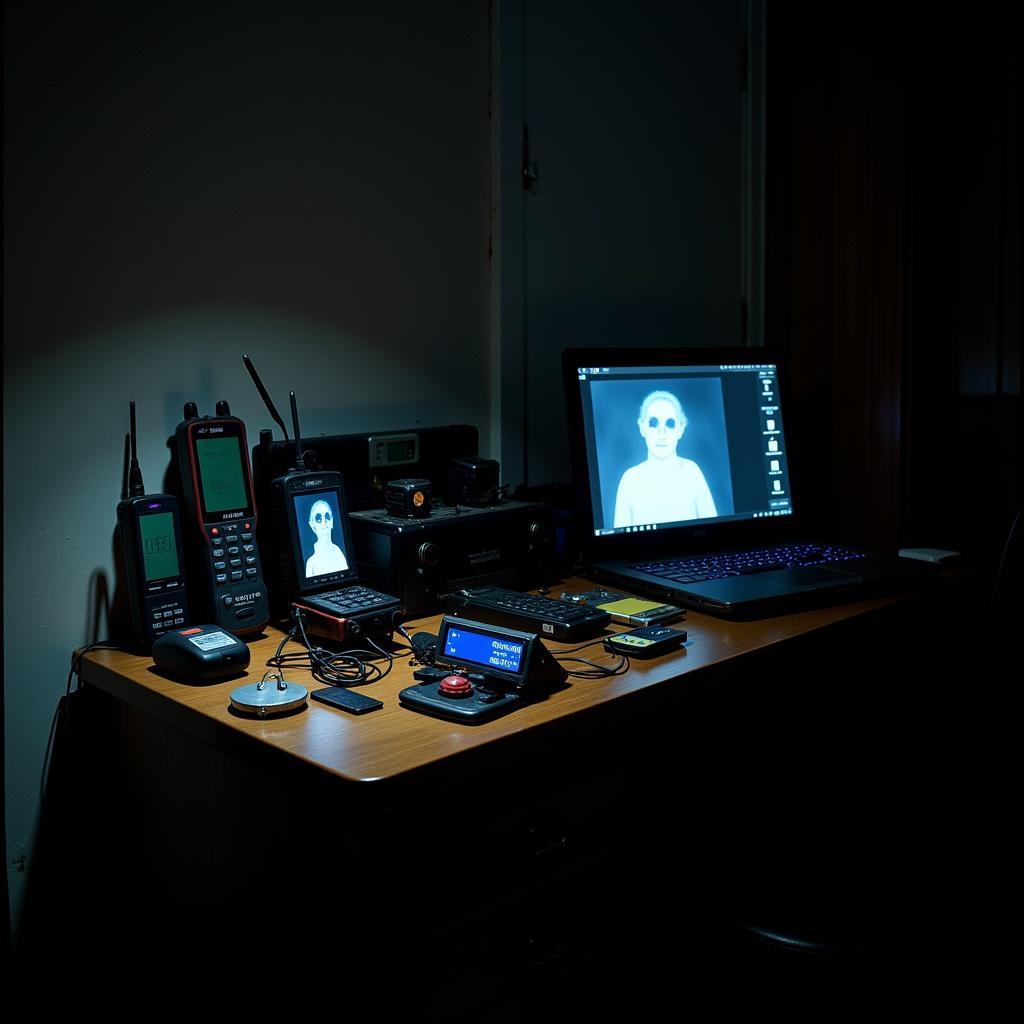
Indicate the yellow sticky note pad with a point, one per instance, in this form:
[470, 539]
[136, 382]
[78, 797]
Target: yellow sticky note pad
[636, 610]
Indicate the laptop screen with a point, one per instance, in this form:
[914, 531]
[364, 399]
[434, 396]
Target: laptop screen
[678, 444]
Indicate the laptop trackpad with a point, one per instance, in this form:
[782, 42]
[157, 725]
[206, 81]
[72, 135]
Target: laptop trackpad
[803, 576]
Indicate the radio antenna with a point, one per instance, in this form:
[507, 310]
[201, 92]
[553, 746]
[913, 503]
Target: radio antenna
[300, 462]
[136, 488]
[124, 466]
[263, 394]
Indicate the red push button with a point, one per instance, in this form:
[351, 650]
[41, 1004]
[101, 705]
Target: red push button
[455, 686]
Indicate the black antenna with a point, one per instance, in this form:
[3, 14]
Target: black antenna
[300, 462]
[263, 394]
[124, 468]
[136, 488]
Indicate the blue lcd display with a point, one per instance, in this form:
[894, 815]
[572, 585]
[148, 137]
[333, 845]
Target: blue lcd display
[464, 645]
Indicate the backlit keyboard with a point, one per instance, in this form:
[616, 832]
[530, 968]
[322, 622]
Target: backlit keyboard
[742, 563]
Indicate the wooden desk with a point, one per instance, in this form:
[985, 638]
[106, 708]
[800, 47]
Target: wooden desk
[434, 870]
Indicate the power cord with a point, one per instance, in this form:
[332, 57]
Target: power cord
[593, 669]
[73, 673]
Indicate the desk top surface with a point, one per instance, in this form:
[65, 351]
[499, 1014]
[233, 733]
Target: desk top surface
[394, 741]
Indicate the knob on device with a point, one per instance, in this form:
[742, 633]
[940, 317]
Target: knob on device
[409, 498]
[455, 686]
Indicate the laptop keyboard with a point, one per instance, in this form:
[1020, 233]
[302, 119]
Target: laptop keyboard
[743, 563]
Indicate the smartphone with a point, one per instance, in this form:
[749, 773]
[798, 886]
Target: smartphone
[347, 700]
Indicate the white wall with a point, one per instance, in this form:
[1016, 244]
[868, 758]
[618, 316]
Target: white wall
[185, 183]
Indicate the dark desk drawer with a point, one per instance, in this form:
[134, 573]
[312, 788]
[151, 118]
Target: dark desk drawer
[530, 941]
[500, 834]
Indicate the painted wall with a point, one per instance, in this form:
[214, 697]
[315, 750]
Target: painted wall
[185, 183]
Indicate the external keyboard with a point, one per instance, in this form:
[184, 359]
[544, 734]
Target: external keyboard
[742, 563]
[351, 601]
[546, 616]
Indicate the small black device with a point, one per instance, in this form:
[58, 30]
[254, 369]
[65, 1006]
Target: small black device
[646, 642]
[309, 545]
[149, 529]
[473, 480]
[346, 700]
[493, 669]
[201, 653]
[216, 481]
[556, 619]
[409, 498]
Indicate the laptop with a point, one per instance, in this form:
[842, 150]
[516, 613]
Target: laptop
[682, 467]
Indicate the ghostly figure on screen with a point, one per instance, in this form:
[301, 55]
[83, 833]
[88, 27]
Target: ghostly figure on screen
[665, 488]
[327, 556]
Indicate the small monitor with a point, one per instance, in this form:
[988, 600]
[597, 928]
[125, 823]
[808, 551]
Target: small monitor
[321, 538]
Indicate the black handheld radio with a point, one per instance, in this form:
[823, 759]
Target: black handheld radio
[149, 529]
[213, 461]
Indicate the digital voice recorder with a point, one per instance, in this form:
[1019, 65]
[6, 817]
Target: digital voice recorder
[149, 529]
[213, 460]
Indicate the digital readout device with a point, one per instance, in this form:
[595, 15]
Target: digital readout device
[213, 461]
[149, 531]
[493, 669]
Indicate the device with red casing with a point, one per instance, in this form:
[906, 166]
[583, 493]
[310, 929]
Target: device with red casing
[220, 520]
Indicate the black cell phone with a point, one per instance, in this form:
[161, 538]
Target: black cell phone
[646, 642]
[347, 700]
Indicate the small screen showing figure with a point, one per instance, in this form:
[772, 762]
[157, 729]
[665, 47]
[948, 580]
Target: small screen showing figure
[159, 552]
[221, 474]
[321, 538]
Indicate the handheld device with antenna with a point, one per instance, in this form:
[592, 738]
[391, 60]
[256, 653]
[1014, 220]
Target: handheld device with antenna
[149, 528]
[220, 514]
[309, 552]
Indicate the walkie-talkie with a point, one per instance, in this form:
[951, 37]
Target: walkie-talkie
[213, 461]
[149, 527]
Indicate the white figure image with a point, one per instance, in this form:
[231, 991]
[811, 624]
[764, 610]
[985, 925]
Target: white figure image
[327, 556]
[665, 488]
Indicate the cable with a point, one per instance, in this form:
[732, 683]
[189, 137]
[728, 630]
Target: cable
[351, 667]
[76, 663]
[594, 670]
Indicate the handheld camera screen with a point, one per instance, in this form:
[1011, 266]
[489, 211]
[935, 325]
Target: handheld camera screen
[221, 473]
[159, 552]
[466, 645]
[320, 533]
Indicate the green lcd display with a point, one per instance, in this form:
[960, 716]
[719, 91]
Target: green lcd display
[221, 474]
[159, 552]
